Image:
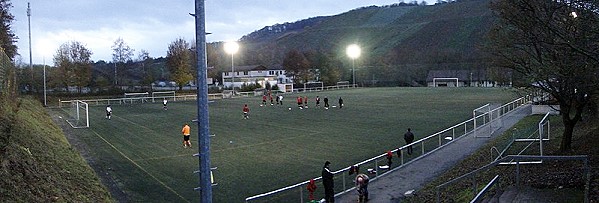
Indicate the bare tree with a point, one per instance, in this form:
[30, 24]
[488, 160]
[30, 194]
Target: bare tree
[553, 44]
[145, 62]
[121, 54]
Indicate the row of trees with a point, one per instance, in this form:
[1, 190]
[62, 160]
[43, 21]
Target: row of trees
[73, 67]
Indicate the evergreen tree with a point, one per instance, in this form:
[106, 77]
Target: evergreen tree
[7, 37]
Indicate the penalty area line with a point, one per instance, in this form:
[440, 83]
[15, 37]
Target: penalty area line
[141, 168]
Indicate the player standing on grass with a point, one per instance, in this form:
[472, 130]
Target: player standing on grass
[164, 103]
[299, 102]
[271, 102]
[246, 111]
[305, 101]
[263, 100]
[317, 102]
[340, 102]
[108, 112]
[186, 134]
[281, 99]
[326, 102]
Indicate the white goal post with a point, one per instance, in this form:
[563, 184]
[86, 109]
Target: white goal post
[78, 114]
[318, 86]
[446, 84]
[165, 94]
[134, 97]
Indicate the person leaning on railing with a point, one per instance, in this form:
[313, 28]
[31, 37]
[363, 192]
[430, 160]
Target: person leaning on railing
[327, 182]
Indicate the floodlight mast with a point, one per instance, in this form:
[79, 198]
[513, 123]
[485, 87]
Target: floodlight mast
[353, 51]
[202, 102]
[232, 48]
[29, 24]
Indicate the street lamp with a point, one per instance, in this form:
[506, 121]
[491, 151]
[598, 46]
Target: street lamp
[353, 51]
[232, 48]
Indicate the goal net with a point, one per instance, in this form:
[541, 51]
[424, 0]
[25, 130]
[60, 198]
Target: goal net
[78, 114]
[136, 97]
[313, 86]
[446, 82]
[170, 95]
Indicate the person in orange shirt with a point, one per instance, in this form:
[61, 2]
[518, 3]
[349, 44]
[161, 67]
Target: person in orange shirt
[186, 133]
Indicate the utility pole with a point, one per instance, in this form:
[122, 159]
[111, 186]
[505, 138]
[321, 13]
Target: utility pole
[30, 58]
[45, 102]
[202, 103]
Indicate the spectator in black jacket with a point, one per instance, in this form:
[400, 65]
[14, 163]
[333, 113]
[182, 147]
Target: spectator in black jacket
[327, 181]
[409, 138]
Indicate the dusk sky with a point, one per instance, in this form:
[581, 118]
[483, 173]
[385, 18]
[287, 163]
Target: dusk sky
[152, 24]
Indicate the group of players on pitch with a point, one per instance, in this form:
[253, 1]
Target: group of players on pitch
[302, 103]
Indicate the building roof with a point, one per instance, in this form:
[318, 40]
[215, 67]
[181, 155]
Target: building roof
[256, 68]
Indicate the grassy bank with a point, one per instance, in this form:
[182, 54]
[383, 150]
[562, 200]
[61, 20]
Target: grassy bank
[37, 164]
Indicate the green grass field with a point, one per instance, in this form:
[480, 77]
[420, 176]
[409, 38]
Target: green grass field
[140, 149]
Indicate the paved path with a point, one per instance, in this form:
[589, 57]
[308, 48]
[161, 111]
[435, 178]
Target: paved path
[391, 186]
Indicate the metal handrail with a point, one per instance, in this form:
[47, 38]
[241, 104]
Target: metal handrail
[513, 105]
[518, 159]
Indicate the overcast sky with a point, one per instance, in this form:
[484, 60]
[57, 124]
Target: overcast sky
[152, 24]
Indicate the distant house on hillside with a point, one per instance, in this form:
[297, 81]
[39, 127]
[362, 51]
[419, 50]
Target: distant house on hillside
[255, 74]
[459, 78]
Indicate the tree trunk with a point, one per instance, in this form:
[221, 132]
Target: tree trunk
[570, 122]
[566, 144]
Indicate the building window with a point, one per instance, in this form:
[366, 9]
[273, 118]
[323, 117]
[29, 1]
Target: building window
[245, 73]
[226, 73]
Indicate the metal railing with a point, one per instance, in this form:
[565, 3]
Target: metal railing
[481, 194]
[517, 159]
[542, 130]
[133, 100]
[147, 99]
[426, 145]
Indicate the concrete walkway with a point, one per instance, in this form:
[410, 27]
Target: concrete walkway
[391, 186]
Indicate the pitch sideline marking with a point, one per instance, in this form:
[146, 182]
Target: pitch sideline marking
[138, 166]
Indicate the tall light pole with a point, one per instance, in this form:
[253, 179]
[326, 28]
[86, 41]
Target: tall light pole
[232, 48]
[202, 102]
[45, 103]
[29, 23]
[353, 51]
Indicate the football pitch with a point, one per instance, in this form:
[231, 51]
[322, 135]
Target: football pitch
[140, 149]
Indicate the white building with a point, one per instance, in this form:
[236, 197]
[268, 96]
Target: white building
[255, 74]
